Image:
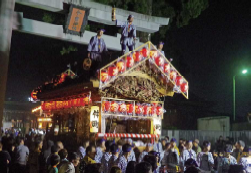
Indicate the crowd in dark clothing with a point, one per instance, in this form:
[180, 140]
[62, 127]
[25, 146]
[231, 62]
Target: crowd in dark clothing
[41, 154]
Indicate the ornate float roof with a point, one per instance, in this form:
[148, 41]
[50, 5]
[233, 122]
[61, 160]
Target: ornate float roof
[144, 74]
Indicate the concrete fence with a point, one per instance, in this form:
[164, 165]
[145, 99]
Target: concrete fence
[211, 136]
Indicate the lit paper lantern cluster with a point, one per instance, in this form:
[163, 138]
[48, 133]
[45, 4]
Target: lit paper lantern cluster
[127, 108]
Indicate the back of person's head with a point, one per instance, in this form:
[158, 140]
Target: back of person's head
[63, 154]
[60, 144]
[54, 149]
[241, 143]
[115, 169]
[131, 167]
[93, 168]
[73, 156]
[120, 142]
[100, 141]
[192, 170]
[167, 145]
[228, 148]
[126, 148]
[55, 159]
[114, 148]
[89, 148]
[143, 167]
[152, 160]
[19, 140]
[37, 142]
[50, 143]
[153, 153]
[108, 145]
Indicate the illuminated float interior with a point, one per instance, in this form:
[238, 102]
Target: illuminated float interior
[124, 102]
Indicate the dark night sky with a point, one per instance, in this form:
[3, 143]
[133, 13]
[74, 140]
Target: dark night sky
[216, 46]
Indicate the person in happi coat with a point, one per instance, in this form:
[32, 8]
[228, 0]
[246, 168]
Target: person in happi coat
[245, 160]
[149, 147]
[205, 158]
[132, 155]
[128, 34]
[114, 149]
[81, 150]
[100, 150]
[96, 49]
[88, 159]
[160, 48]
[196, 146]
[158, 148]
[172, 159]
[106, 157]
[225, 161]
[123, 160]
[166, 152]
[188, 153]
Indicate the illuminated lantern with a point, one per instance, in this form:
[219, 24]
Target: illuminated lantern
[106, 106]
[122, 108]
[87, 101]
[34, 95]
[184, 87]
[129, 109]
[153, 110]
[159, 61]
[94, 119]
[153, 54]
[137, 56]
[179, 80]
[114, 107]
[146, 110]
[173, 74]
[144, 52]
[112, 71]
[129, 61]
[104, 76]
[121, 66]
[166, 68]
[159, 110]
[138, 109]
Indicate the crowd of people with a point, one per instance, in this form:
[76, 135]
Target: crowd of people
[41, 154]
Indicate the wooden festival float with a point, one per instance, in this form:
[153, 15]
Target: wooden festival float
[124, 102]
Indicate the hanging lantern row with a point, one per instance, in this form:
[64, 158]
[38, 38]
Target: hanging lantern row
[56, 105]
[123, 64]
[167, 68]
[128, 108]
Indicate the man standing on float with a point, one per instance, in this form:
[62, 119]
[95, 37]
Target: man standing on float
[128, 34]
[96, 48]
[160, 47]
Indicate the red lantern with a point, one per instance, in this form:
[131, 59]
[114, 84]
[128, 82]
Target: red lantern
[173, 75]
[184, 87]
[104, 75]
[106, 106]
[179, 80]
[144, 52]
[153, 54]
[159, 110]
[34, 95]
[166, 68]
[112, 71]
[121, 66]
[153, 110]
[159, 61]
[146, 110]
[129, 109]
[122, 108]
[138, 109]
[87, 101]
[137, 56]
[114, 107]
[129, 61]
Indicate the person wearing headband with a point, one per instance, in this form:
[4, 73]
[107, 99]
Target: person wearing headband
[99, 150]
[132, 155]
[196, 146]
[158, 148]
[160, 47]
[245, 160]
[114, 149]
[96, 49]
[188, 153]
[125, 158]
[205, 158]
[172, 159]
[225, 161]
[106, 157]
[128, 34]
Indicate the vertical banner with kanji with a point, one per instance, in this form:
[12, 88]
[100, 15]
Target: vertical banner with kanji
[94, 119]
[77, 19]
